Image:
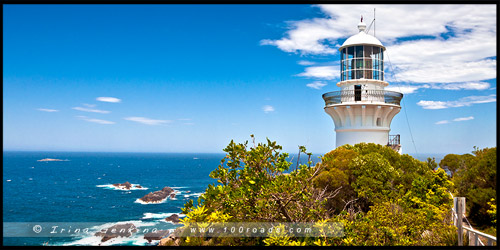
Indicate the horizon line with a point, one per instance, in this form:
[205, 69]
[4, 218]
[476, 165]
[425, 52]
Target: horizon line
[159, 152]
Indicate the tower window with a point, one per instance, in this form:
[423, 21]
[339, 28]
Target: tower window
[379, 122]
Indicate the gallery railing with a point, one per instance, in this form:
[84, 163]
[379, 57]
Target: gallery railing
[371, 95]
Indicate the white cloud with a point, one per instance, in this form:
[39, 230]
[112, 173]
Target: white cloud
[94, 120]
[465, 101]
[306, 63]
[108, 99]
[316, 85]
[313, 36]
[307, 36]
[406, 89]
[267, 109]
[432, 104]
[464, 85]
[189, 123]
[89, 105]
[463, 119]
[442, 122]
[321, 72]
[456, 120]
[409, 89]
[146, 121]
[91, 110]
[48, 110]
[446, 72]
[456, 43]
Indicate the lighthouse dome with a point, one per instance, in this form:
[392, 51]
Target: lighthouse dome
[361, 39]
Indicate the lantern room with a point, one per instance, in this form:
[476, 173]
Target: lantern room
[362, 57]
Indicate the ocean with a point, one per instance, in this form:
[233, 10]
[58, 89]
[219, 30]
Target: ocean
[79, 190]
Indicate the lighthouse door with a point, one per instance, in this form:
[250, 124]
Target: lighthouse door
[357, 93]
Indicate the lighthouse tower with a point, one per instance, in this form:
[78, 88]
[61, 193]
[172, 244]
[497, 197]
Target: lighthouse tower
[362, 110]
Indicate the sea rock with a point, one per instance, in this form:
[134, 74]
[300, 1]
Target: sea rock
[138, 186]
[172, 195]
[173, 218]
[118, 230]
[172, 239]
[50, 159]
[125, 185]
[157, 196]
[158, 235]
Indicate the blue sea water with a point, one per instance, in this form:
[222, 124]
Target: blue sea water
[79, 189]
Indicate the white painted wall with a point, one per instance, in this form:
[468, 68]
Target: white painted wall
[358, 136]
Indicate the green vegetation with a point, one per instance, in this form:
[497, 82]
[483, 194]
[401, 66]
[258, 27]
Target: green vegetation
[474, 176]
[380, 197]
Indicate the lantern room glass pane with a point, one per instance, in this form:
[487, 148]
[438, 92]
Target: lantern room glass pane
[376, 52]
[368, 68]
[358, 63]
[368, 51]
[359, 51]
[350, 53]
[368, 74]
[359, 74]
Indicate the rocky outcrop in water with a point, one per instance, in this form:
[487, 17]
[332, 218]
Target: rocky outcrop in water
[125, 185]
[172, 239]
[50, 159]
[118, 230]
[156, 235]
[173, 218]
[157, 196]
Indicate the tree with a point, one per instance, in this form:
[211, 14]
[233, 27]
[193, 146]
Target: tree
[475, 179]
[454, 162]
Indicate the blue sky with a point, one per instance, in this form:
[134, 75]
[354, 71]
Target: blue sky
[189, 78]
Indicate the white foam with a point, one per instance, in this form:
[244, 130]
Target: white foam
[137, 223]
[147, 203]
[91, 240]
[8, 180]
[193, 194]
[86, 241]
[110, 186]
[160, 215]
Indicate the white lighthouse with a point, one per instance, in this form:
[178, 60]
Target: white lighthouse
[362, 110]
